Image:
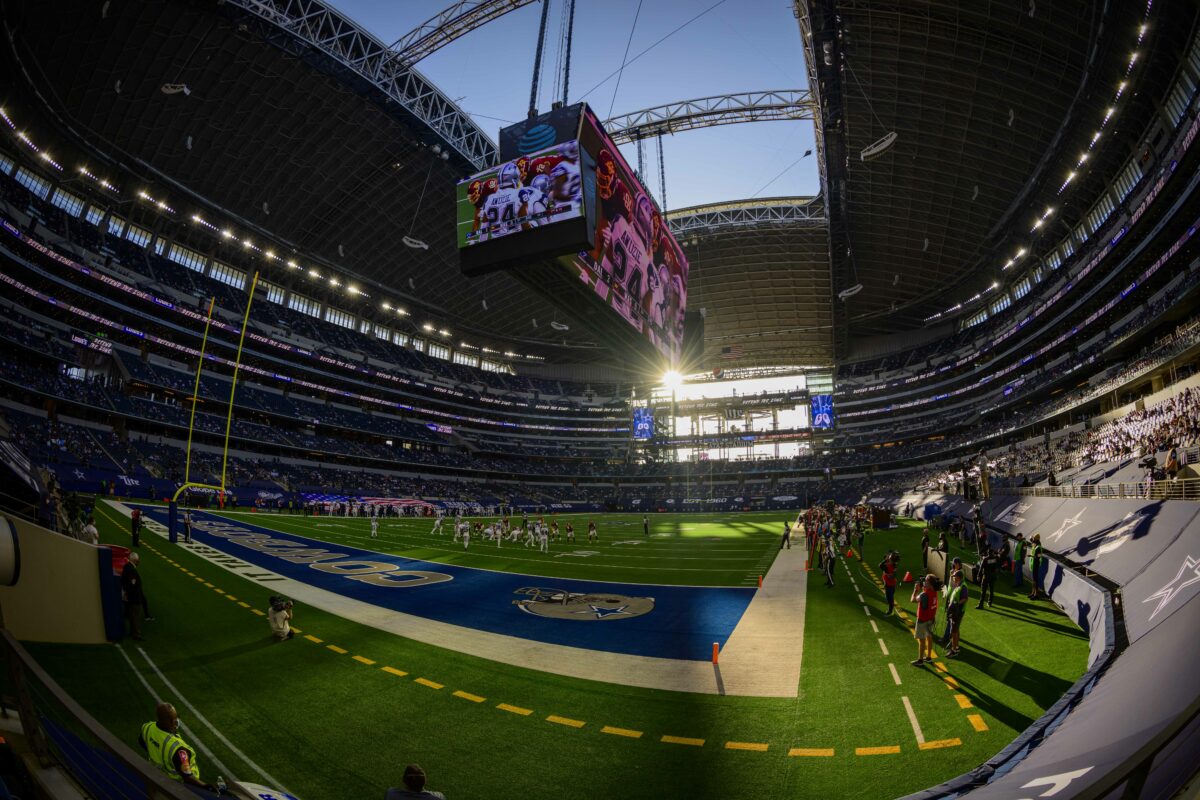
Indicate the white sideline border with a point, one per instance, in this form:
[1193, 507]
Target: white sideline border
[761, 658]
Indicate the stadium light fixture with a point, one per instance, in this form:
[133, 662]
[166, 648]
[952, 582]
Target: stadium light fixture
[387, 306]
[671, 379]
[428, 326]
[312, 273]
[270, 254]
[228, 234]
[292, 263]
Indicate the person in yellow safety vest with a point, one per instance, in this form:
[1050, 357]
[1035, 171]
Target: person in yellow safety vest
[166, 749]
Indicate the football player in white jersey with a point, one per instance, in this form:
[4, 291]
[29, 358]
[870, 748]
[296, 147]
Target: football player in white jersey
[501, 212]
[437, 524]
[374, 527]
[544, 538]
[466, 536]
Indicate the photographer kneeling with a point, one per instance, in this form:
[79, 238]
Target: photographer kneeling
[280, 616]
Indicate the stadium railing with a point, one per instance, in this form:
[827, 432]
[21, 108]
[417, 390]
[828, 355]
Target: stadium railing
[1181, 489]
[61, 733]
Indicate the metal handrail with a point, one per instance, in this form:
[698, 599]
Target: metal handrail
[1180, 489]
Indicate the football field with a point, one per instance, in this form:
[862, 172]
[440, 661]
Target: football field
[338, 711]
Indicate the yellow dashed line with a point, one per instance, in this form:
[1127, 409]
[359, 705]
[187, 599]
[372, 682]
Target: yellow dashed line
[621, 732]
[339, 650]
[683, 740]
[570, 723]
[294, 628]
[230, 597]
[939, 744]
[363, 660]
[811, 752]
[940, 666]
[242, 603]
[313, 639]
[198, 579]
[256, 611]
[963, 700]
[208, 585]
[950, 681]
[889, 750]
[474, 698]
[757, 747]
[977, 723]
[399, 673]
[430, 684]
[524, 712]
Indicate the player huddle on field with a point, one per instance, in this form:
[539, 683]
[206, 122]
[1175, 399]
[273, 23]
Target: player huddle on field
[533, 533]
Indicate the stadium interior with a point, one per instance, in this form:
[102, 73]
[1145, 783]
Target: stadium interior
[396, 450]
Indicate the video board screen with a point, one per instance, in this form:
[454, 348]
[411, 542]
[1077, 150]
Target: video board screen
[635, 266]
[822, 411]
[521, 195]
[643, 423]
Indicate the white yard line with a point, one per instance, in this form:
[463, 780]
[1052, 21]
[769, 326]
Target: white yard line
[883, 647]
[220, 736]
[874, 627]
[895, 675]
[913, 719]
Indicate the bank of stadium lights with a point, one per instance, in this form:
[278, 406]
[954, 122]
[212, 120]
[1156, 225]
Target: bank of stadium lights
[1049, 212]
[159, 204]
[87, 173]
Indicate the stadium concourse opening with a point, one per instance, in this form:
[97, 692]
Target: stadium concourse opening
[371, 425]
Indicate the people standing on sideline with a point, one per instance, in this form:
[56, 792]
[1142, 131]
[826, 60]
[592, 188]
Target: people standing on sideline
[1037, 564]
[887, 568]
[90, 534]
[987, 570]
[955, 566]
[956, 606]
[135, 524]
[787, 536]
[1019, 561]
[414, 786]
[133, 595]
[830, 559]
[167, 750]
[943, 544]
[925, 595]
[924, 541]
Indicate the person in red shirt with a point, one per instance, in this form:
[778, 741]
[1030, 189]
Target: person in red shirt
[925, 595]
[887, 568]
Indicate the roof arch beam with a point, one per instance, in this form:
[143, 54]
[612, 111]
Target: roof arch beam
[704, 112]
[450, 23]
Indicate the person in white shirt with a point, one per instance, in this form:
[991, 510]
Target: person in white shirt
[187, 527]
[90, 534]
[437, 526]
[374, 527]
[466, 536]
[544, 538]
[280, 617]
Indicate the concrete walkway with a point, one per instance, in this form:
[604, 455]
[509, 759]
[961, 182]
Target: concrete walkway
[760, 659]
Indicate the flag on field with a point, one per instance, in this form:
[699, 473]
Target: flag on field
[731, 352]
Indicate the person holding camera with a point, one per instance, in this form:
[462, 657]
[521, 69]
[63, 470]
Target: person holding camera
[988, 567]
[925, 595]
[280, 617]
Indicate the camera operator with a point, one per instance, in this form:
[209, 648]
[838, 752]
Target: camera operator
[280, 616]
[989, 567]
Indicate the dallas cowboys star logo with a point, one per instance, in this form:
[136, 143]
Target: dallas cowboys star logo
[601, 613]
[1167, 593]
[1067, 524]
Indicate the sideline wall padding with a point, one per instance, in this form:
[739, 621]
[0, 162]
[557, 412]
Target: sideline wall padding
[57, 596]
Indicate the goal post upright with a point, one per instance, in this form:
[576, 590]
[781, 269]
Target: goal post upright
[237, 364]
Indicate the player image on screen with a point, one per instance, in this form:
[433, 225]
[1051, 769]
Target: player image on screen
[523, 194]
[636, 266]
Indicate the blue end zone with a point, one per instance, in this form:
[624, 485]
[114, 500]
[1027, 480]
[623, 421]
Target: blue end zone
[682, 624]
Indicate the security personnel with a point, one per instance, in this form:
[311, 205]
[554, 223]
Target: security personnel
[166, 749]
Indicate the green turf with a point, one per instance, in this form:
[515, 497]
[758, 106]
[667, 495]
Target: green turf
[682, 549]
[330, 727]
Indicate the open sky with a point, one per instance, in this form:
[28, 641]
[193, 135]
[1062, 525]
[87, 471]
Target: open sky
[737, 46]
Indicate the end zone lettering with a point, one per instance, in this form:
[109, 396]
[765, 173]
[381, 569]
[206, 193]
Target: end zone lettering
[376, 573]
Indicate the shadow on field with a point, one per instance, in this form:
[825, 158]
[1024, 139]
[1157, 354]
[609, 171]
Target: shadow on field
[1041, 687]
[244, 649]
